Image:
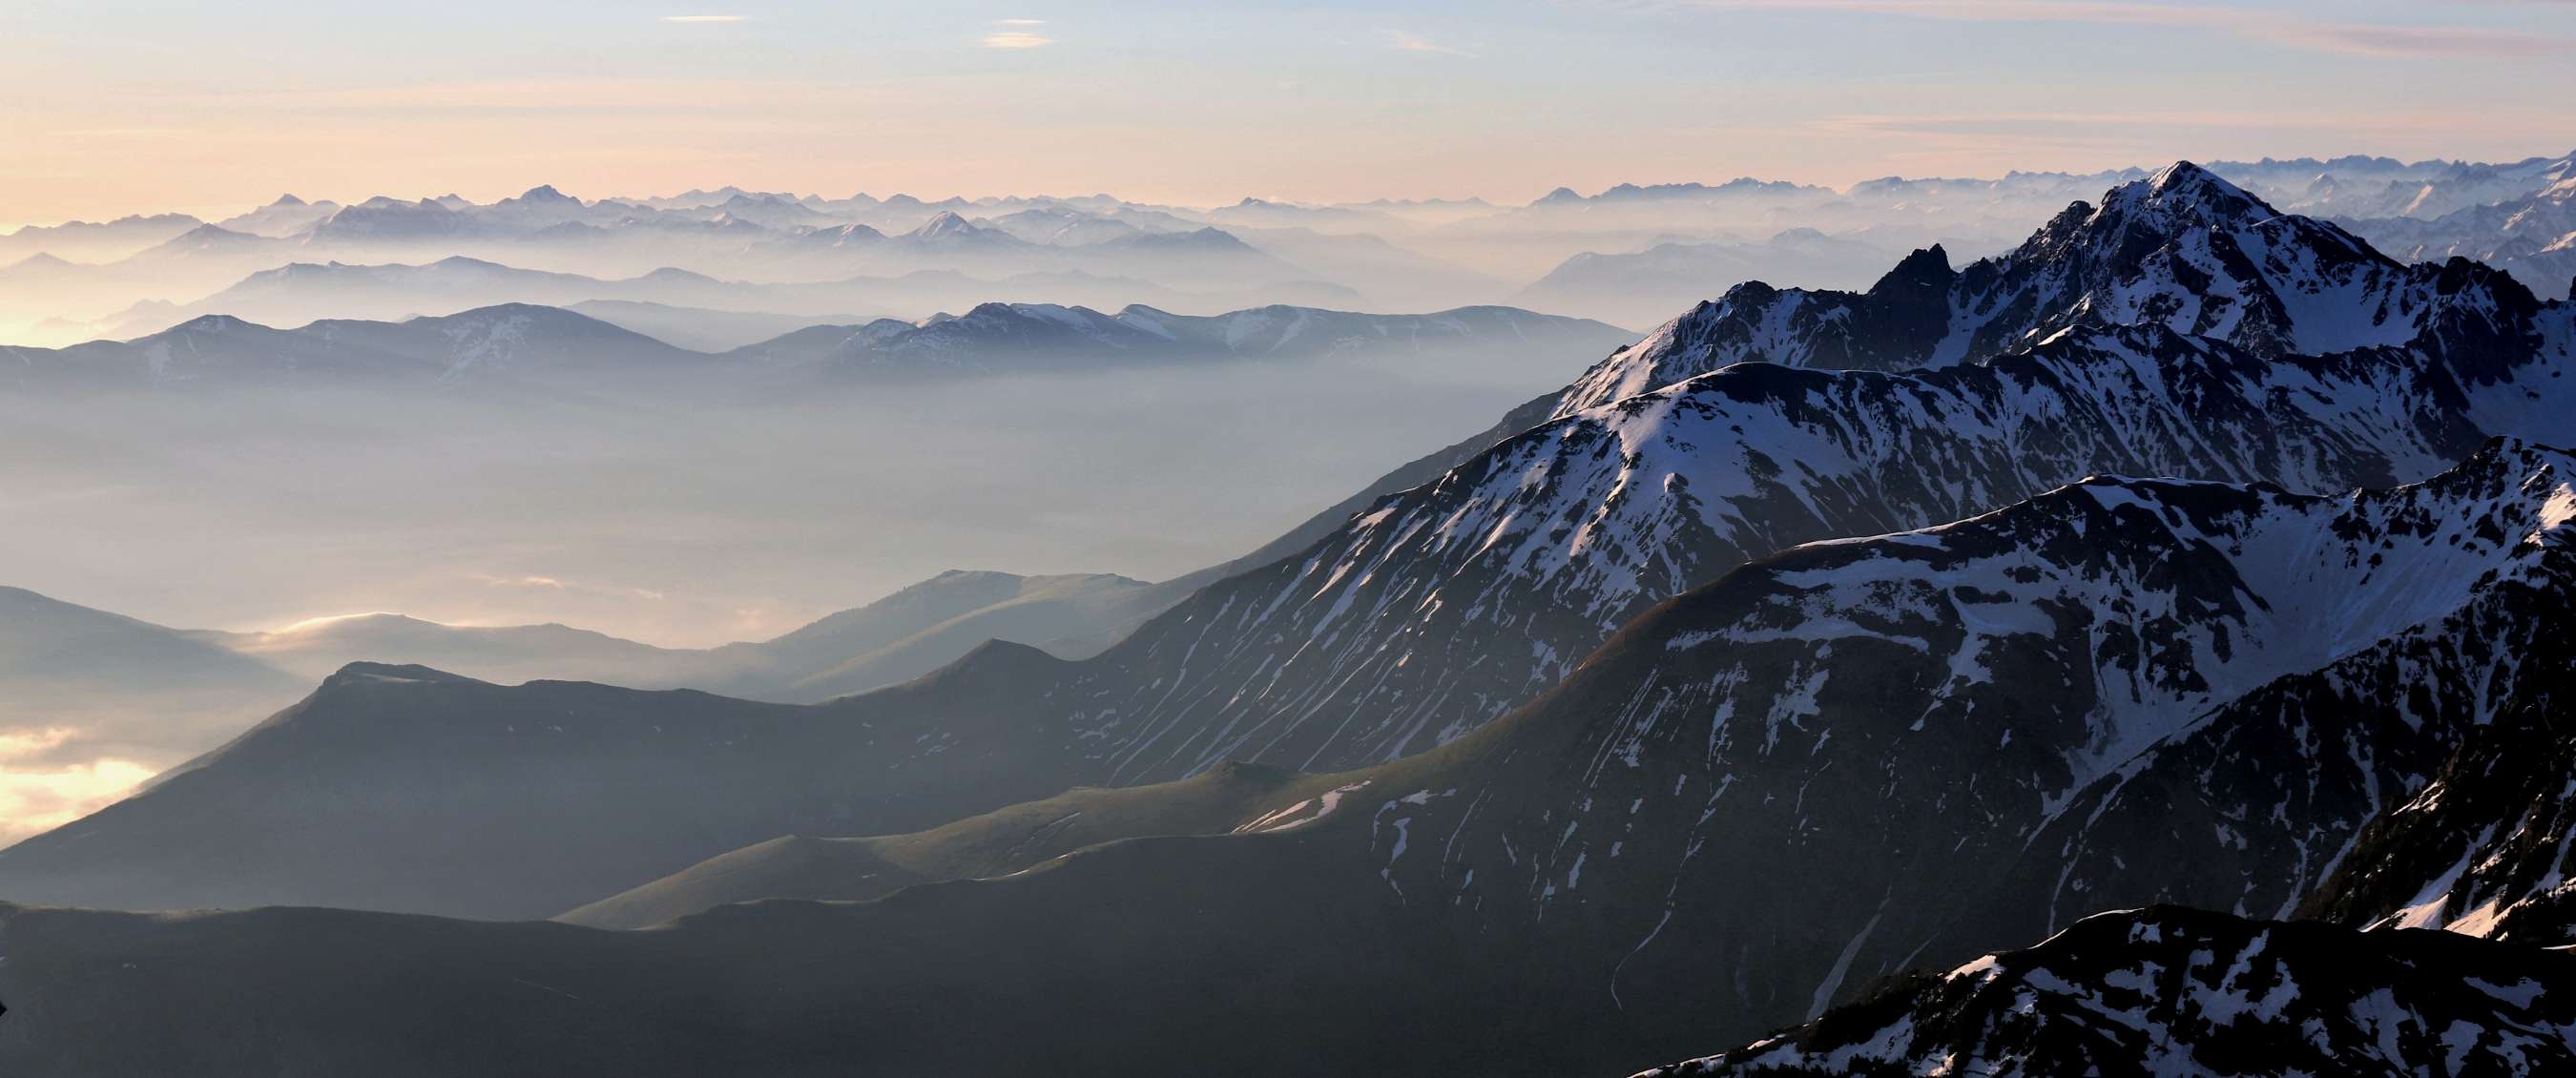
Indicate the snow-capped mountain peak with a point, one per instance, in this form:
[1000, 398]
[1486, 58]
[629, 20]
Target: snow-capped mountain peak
[943, 224]
[2178, 205]
[2185, 182]
[213, 323]
[2183, 248]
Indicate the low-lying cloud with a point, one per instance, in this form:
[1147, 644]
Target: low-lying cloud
[39, 793]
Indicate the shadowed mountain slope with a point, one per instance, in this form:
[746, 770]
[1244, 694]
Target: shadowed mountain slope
[993, 844]
[1749, 804]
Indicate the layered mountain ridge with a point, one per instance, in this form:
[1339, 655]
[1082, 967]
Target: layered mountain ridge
[1870, 722]
[71, 650]
[521, 340]
[1030, 335]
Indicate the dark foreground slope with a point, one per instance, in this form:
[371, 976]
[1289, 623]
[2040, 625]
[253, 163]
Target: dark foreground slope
[1036, 974]
[2169, 990]
[1767, 793]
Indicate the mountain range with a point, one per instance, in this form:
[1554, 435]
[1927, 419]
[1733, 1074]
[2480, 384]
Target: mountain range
[2532, 236]
[1628, 253]
[68, 655]
[1448, 603]
[523, 342]
[289, 293]
[80, 684]
[2188, 554]
[1646, 285]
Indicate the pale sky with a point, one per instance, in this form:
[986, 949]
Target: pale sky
[117, 106]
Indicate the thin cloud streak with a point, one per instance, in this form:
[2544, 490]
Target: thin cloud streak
[703, 18]
[1409, 42]
[1016, 40]
[551, 583]
[1986, 123]
[2315, 35]
[548, 95]
[1967, 144]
